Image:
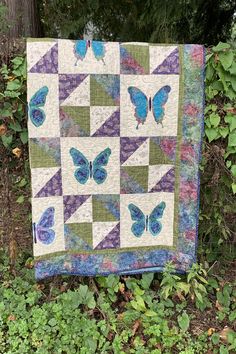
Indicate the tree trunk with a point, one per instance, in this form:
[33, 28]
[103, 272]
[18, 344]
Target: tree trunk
[23, 17]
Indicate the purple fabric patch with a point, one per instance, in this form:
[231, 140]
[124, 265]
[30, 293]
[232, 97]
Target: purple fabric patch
[52, 188]
[112, 240]
[170, 65]
[68, 83]
[166, 183]
[48, 64]
[111, 127]
[72, 203]
[128, 146]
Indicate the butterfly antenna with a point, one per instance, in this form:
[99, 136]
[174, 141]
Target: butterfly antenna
[103, 61]
[76, 62]
[34, 233]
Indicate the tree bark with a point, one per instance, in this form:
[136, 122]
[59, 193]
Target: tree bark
[23, 17]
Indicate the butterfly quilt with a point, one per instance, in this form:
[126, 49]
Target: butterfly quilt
[115, 134]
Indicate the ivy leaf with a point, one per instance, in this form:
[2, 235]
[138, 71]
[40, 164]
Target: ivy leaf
[224, 131]
[231, 120]
[233, 170]
[226, 59]
[221, 46]
[232, 138]
[214, 119]
[223, 350]
[17, 61]
[15, 126]
[24, 137]
[215, 338]
[12, 94]
[6, 140]
[13, 85]
[232, 69]
[183, 321]
[209, 72]
[20, 199]
[211, 133]
[146, 280]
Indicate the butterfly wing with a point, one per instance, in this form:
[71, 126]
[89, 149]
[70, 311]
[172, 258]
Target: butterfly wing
[155, 225]
[138, 216]
[82, 173]
[43, 232]
[140, 101]
[39, 98]
[45, 236]
[80, 49]
[36, 114]
[158, 102]
[99, 173]
[98, 49]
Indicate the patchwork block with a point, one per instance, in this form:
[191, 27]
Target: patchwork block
[114, 141]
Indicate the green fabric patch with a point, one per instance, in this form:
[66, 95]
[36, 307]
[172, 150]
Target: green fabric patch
[100, 212]
[83, 231]
[39, 157]
[156, 155]
[98, 95]
[139, 174]
[140, 53]
[80, 115]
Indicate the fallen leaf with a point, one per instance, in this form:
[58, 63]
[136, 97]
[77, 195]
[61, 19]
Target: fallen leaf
[11, 318]
[218, 306]
[210, 331]
[135, 327]
[122, 288]
[3, 129]
[224, 333]
[17, 152]
[180, 295]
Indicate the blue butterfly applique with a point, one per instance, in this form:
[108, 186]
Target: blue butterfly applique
[82, 46]
[38, 100]
[143, 104]
[90, 169]
[150, 222]
[42, 230]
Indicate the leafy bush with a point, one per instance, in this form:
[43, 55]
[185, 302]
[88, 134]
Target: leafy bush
[113, 314]
[218, 180]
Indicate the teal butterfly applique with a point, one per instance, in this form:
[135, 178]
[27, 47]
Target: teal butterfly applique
[149, 223]
[88, 169]
[37, 101]
[143, 104]
[81, 47]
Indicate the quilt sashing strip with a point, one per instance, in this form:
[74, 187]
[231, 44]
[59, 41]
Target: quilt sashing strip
[115, 134]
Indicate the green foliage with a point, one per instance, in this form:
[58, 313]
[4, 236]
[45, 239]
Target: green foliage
[220, 114]
[153, 20]
[218, 179]
[194, 286]
[13, 103]
[107, 314]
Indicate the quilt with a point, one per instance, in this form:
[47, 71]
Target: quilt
[115, 134]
